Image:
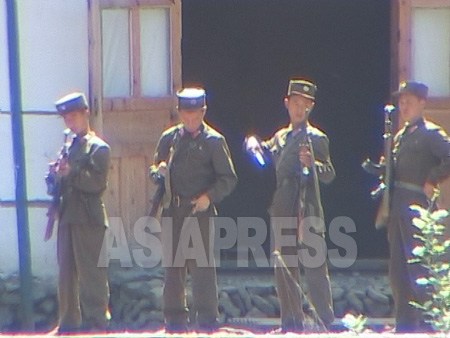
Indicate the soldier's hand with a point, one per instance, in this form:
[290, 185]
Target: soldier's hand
[253, 145]
[305, 156]
[200, 204]
[162, 168]
[52, 167]
[63, 167]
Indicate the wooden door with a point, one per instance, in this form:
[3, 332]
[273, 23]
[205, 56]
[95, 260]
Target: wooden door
[135, 67]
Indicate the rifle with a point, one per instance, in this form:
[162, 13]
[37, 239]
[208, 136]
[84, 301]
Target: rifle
[309, 174]
[159, 179]
[54, 186]
[158, 195]
[383, 169]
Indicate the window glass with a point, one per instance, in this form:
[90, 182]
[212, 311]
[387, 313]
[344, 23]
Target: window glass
[155, 51]
[431, 48]
[116, 53]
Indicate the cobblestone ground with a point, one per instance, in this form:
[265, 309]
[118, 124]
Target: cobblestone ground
[247, 298]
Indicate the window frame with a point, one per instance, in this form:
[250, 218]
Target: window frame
[402, 64]
[134, 102]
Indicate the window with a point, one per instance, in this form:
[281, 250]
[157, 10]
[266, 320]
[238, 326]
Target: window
[136, 52]
[116, 57]
[431, 48]
[154, 39]
[422, 47]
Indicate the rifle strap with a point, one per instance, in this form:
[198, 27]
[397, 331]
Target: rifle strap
[168, 189]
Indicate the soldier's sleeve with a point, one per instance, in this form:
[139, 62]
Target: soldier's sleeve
[226, 177]
[161, 154]
[324, 166]
[439, 145]
[272, 144]
[89, 174]
[268, 144]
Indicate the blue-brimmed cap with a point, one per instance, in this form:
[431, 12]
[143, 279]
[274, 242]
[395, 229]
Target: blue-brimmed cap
[416, 88]
[302, 87]
[191, 98]
[71, 102]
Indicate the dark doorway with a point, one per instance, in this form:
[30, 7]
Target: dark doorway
[245, 51]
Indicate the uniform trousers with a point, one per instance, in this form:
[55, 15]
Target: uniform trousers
[402, 274]
[83, 290]
[204, 310]
[316, 278]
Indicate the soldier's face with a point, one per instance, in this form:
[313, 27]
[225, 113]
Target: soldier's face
[298, 107]
[192, 119]
[410, 106]
[77, 121]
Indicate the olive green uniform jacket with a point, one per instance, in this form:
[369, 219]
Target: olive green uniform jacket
[196, 165]
[83, 291]
[297, 197]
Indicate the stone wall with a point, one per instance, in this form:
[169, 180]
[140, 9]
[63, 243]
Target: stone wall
[136, 297]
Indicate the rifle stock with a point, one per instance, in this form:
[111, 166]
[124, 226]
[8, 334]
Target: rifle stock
[51, 219]
[157, 198]
[159, 178]
[382, 217]
[384, 170]
[54, 187]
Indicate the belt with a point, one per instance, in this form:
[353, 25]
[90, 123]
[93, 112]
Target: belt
[408, 186]
[179, 201]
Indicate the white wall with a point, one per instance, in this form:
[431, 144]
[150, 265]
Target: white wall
[4, 75]
[54, 61]
[54, 50]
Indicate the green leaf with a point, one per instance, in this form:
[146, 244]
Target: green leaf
[433, 281]
[355, 324]
[441, 267]
[438, 248]
[438, 229]
[435, 310]
[414, 260]
[439, 214]
[445, 293]
[422, 211]
[422, 281]
[419, 251]
[419, 223]
[421, 238]
[418, 306]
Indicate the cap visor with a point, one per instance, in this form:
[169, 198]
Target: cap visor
[302, 94]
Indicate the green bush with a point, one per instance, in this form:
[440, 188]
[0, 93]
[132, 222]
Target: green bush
[430, 254]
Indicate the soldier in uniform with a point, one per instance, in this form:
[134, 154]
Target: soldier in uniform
[421, 158]
[83, 291]
[198, 172]
[301, 156]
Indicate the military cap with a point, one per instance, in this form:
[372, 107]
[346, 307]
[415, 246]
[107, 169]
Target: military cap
[71, 102]
[302, 87]
[191, 98]
[416, 88]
